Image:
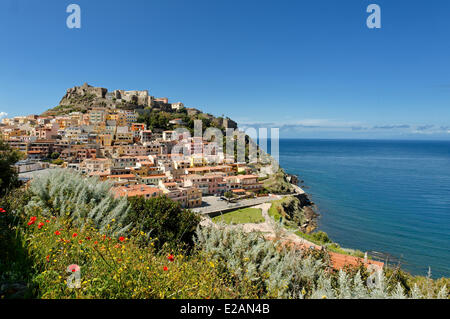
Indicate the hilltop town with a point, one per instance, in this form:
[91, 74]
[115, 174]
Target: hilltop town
[128, 137]
[162, 182]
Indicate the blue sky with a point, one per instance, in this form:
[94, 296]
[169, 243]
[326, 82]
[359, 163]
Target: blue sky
[312, 68]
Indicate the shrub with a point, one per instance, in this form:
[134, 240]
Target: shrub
[115, 267]
[163, 219]
[82, 200]
[8, 175]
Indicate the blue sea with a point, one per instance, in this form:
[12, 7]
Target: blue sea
[376, 195]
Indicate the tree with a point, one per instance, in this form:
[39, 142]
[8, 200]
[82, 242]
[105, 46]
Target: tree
[8, 175]
[164, 220]
[228, 194]
[54, 155]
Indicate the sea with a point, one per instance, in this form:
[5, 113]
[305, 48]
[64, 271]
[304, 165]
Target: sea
[380, 196]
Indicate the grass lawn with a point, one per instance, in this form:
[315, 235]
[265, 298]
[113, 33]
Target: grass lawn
[273, 210]
[241, 216]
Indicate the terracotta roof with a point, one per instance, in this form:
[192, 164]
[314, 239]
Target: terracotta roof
[338, 261]
[135, 190]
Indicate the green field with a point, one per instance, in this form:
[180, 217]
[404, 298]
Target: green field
[241, 216]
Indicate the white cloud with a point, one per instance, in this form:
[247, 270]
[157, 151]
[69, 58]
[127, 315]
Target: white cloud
[3, 114]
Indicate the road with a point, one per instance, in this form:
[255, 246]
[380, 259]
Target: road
[269, 228]
[212, 204]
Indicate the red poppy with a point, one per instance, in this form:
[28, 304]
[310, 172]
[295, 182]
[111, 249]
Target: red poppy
[73, 268]
[57, 233]
[40, 225]
[171, 257]
[74, 235]
[121, 238]
[88, 238]
[165, 268]
[47, 221]
[48, 258]
[2, 210]
[95, 242]
[32, 220]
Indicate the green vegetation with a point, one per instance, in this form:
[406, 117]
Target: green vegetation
[241, 216]
[65, 219]
[8, 175]
[278, 183]
[321, 238]
[228, 194]
[57, 161]
[290, 210]
[292, 218]
[167, 222]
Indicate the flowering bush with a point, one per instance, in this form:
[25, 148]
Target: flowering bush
[115, 267]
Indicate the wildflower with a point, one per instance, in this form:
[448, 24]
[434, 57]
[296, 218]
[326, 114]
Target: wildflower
[32, 220]
[48, 258]
[40, 225]
[74, 235]
[170, 258]
[57, 233]
[47, 221]
[121, 238]
[88, 238]
[165, 268]
[324, 297]
[95, 242]
[2, 210]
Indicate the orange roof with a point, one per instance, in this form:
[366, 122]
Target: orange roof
[146, 163]
[338, 261]
[135, 190]
[246, 176]
[154, 176]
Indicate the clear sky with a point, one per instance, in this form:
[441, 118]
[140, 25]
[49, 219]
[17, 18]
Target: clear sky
[312, 68]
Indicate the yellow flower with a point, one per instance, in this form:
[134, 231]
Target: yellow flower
[211, 263]
[324, 297]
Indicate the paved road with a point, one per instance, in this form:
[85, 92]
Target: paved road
[212, 204]
[269, 228]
